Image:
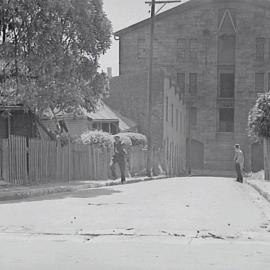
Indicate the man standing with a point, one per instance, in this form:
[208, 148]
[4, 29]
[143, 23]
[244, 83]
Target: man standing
[239, 162]
[119, 157]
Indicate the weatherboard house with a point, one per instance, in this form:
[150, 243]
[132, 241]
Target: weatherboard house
[218, 51]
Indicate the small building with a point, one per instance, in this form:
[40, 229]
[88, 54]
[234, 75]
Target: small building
[103, 118]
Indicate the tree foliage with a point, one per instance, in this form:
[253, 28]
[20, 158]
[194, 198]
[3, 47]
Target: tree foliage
[96, 137]
[259, 117]
[50, 51]
[137, 139]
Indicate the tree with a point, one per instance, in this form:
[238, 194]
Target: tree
[259, 127]
[50, 51]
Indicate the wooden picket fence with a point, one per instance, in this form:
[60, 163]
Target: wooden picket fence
[32, 161]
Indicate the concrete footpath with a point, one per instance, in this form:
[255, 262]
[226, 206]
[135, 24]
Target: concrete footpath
[11, 192]
[262, 186]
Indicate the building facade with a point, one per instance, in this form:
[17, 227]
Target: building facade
[219, 53]
[129, 97]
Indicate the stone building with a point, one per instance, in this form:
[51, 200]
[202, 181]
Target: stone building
[219, 53]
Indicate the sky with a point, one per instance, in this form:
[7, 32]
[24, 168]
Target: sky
[123, 13]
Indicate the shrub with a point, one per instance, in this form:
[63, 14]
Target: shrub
[99, 138]
[137, 139]
[259, 117]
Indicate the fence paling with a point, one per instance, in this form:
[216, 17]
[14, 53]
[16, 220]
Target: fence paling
[39, 161]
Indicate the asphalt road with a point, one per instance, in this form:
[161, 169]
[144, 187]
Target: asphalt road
[180, 223]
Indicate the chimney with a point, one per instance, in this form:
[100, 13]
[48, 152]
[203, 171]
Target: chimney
[109, 72]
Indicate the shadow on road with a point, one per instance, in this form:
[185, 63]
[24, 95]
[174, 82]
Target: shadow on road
[91, 193]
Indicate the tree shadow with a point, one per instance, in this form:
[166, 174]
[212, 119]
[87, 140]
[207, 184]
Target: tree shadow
[89, 193]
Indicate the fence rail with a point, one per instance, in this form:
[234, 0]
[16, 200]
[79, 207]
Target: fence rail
[32, 161]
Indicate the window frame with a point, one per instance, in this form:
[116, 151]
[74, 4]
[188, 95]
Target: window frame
[226, 72]
[256, 82]
[141, 46]
[260, 56]
[190, 88]
[220, 128]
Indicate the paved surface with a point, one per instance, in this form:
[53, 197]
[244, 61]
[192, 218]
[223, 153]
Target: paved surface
[181, 223]
[11, 192]
[263, 187]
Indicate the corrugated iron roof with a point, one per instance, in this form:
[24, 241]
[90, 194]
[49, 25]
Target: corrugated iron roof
[105, 112]
[102, 113]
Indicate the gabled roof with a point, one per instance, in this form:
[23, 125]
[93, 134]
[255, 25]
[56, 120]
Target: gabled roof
[102, 114]
[188, 4]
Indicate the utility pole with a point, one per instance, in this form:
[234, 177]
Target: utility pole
[150, 81]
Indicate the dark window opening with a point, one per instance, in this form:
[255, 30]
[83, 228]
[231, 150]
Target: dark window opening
[177, 119]
[155, 49]
[181, 48]
[167, 109]
[227, 85]
[114, 128]
[105, 127]
[193, 48]
[141, 48]
[181, 83]
[193, 84]
[259, 82]
[268, 81]
[172, 115]
[226, 120]
[226, 50]
[260, 42]
[193, 116]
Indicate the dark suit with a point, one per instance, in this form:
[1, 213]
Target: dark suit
[119, 157]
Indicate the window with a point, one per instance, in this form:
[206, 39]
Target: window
[193, 116]
[105, 127]
[268, 82]
[181, 83]
[170, 82]
[172, 115]
[226, 85]
[259, 82]
[167, 109]
[226, 120]
[226, 50]
[193, 48]
[269, 48]
[260, 48]
[177, 119]
[180, 122]
[114, 128]
[181, 48]
[141, 48]
[155, 48]
[193, 84]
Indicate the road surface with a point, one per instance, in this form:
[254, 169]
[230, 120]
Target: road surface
[180, 223]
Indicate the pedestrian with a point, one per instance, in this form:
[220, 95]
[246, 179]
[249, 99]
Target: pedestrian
[239, 163]
[119, 157]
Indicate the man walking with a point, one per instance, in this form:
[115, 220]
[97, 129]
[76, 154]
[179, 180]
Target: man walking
[119, 157]
[239, 162]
